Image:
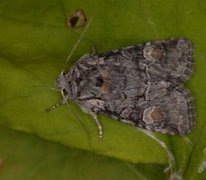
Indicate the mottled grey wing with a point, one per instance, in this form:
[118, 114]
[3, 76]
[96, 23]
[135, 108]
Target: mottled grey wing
[168, 110]
[139, 85]
[166, 59]
[169, 59]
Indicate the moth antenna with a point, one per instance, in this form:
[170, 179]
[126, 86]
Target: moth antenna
[77, 43]
[80, 122]
[54, 89]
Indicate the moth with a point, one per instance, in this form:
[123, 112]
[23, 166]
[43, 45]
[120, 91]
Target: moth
[142, 85]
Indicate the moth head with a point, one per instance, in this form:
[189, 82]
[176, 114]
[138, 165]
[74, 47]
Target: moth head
[62, 83]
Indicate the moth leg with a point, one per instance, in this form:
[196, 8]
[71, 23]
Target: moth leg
[63, 101]
[55, 106]
[99, 126]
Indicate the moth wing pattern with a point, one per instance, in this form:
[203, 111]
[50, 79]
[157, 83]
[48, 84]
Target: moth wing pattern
[170, 59]
[140, 85]
[171, 112]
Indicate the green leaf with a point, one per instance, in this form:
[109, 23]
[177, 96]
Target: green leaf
[27, 157]
[34, 44]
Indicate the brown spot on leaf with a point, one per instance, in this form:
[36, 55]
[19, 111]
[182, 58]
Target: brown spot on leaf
[77, 19]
